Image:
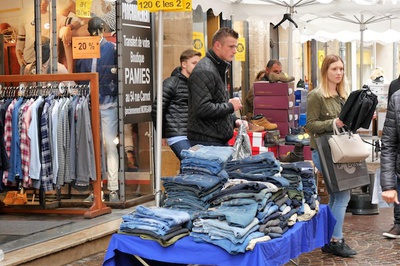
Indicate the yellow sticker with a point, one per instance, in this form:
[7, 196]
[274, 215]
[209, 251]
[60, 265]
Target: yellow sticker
[86, 47]
[83, 8]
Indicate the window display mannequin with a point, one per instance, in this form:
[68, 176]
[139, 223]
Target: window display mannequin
[108, 101]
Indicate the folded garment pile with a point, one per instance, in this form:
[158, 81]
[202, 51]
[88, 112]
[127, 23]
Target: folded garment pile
[166, 226]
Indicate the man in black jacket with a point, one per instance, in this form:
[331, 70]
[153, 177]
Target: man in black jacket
[390, 172]
[175, 103]
[211, 112]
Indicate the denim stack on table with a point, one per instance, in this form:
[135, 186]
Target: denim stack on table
[306, 173]
[163, 225]
[202, 175]
[231, 221]
[261, 167]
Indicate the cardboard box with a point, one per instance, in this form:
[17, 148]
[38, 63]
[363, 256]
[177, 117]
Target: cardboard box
[276, 115]
[300, 96]
[256, 138]
[283, 128]
[258, 150]
[273, 102]
[264, 88]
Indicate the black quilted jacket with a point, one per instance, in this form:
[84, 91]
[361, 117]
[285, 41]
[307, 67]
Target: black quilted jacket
[175, 105]
[390, 153]
[210, 115]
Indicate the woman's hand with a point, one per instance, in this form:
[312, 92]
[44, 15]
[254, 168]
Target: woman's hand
[339, 123]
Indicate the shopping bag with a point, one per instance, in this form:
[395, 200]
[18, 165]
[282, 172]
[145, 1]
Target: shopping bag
[347, 147]
[340, 176]
[242, 144]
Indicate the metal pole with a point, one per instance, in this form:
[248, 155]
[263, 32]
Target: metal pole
[395, 56]
[158, 147]
[362, 29]
[290, 43]
[38, 34]
[54, 38]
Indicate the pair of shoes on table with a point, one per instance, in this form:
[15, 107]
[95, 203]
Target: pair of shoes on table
[255, 128]
[297, 155]
[394, 232]
[303, 138]
[91, 197]
[15, 198]
[339, 248]
[270, 140]
[260, 120]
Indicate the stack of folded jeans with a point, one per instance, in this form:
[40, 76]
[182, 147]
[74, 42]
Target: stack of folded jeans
[230, 226]
[163, 225]
[202, 175]
[274, 218]
[261, 167]
[306, 172]
[190, 192]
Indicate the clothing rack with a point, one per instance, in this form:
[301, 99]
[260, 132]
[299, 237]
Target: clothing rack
[98, 207]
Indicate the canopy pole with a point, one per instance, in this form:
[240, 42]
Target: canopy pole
[158, 147]
[362, 29]
[290, 44]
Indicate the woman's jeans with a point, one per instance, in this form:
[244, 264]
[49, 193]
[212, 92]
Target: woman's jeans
[338, 202]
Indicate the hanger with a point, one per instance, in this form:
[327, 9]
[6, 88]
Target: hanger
[286, 16]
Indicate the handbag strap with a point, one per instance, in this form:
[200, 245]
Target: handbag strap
[336, 130]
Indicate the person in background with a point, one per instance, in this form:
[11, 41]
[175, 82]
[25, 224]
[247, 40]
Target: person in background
[108, 101]
[323, 108]
[390, 173]
[175, 103]
[250, 94]
[273, 66]
[211, 112]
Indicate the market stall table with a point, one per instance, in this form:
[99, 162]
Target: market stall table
[302, 237]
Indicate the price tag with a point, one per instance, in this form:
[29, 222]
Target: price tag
[86, 47]
[164, 5]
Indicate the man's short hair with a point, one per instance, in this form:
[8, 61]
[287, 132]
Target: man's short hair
[187, 54]
[273, 62]
[224, 32]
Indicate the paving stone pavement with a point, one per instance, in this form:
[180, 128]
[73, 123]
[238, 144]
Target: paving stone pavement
[362, 233]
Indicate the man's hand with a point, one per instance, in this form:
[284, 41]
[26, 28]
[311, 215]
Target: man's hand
[238, 122]
[390, 196]
[237, 104]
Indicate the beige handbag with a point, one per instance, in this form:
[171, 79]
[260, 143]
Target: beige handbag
[347, 147]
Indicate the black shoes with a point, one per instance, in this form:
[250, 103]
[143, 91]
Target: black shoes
[339, 248]
[394, 232]
[297, 155]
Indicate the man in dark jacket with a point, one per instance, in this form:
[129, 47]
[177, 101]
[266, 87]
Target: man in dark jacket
[211, 112]
[390, 153]
[175, 103]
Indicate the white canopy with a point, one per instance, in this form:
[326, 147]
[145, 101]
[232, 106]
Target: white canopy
[342, 20]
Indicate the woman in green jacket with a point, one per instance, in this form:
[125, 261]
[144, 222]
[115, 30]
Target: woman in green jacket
[323, 108]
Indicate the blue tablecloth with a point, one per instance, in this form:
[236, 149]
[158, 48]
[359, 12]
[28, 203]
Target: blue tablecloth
[302, 237]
